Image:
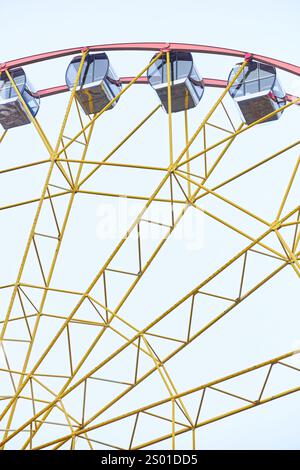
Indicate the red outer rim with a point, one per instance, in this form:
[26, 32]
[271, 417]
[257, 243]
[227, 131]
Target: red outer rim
[209, 82]
[148, 46]
[152, 46]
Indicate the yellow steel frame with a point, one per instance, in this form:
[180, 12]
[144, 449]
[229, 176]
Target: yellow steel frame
[199, 392]
[179, 172]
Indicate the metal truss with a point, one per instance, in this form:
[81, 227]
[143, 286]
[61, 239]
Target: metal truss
[60, 402]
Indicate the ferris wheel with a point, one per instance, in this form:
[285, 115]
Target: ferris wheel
[141, 334]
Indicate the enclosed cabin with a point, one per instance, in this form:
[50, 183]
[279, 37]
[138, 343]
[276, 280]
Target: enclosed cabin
[12, 111]
[97, 84]
[257, 91]
[186, 84]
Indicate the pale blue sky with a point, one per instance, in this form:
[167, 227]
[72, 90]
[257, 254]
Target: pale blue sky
[270, 27]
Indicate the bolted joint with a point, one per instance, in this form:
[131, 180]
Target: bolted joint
[3, 67]
[276, 225]
[248, 57]
[167, 48]
[272, 96]
[172, 168]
